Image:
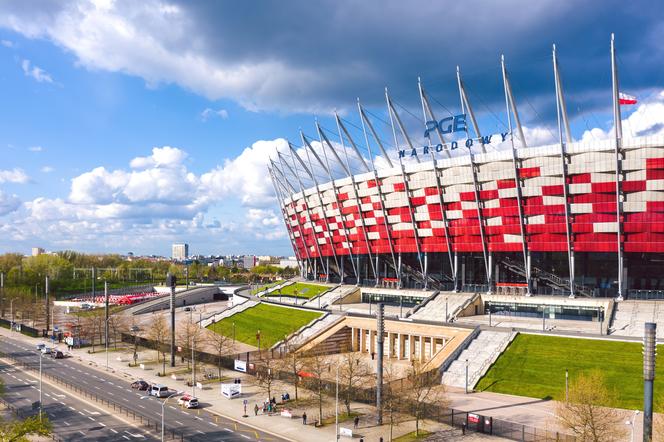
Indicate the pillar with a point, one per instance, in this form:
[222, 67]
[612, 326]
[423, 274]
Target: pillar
[411, 347]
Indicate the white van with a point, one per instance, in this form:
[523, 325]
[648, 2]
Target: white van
[158, 390]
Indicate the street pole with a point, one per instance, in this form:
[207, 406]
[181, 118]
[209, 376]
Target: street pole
[163, 408]
[40, 386]
[566, 385]
[336, 412]
[193, 363]
[489, 314]
[649, 353]
[106, 316]
[2, 294]
[48, 310]
[466, 384]
[11, 311]
[380, 328]
[543, 318]
[234, 334]
[171, 280]
[447, 317]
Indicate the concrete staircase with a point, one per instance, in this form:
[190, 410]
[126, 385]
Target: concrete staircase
[434, 310]
[481, 353]
[237, 308]
[331, 296]
[308, 331]
[630, 317]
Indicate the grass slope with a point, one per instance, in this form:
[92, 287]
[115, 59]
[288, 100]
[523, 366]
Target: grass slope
[534, 366]
[303, 290]
[266, 286]
[273, 322]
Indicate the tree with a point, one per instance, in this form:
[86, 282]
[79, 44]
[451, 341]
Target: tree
[265, 375]
[20, 430]
[189, 336]
[159, 333]
[318, 365]
[391, 398]
[353, 373]
[292, 363]
[424, 392]
[117, 324]
[221, 344]
[586, 412]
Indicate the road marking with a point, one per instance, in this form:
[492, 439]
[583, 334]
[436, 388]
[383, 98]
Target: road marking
[62, 403]
[179, 423]
[201, 432]
[245, 436]
[72, 408]
[228, 429]
[125, 399]
[82, 433]
[113, 430]
[91, 418]
[142, 407]
[125, 437]
[212, 423]
[102, 424]
[66, 423]
[81, 413]
[111, 393]
[172, 407]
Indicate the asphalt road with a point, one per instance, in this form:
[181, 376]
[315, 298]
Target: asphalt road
[72, 419]
[195, 425]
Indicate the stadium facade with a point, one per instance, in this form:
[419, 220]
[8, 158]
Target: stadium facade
[577, 219]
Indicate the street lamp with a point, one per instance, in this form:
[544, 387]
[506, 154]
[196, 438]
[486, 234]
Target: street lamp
[40, 385]
[163, 409]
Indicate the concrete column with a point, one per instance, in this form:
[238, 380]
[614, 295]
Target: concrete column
[353, 336]
[399, 348]
[433, 346]
[372, 341]
[423, 347]
[411, 347]
[388, 347]
[362, 345]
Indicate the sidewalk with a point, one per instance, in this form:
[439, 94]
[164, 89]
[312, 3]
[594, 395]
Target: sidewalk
[288, 428]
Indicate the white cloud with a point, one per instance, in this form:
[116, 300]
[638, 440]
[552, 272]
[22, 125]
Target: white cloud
[166, 156]
[7, 43]
[8, 203]
[35, 72]
[36, 149]
[16, 176]
[208, 113]
[47, 169]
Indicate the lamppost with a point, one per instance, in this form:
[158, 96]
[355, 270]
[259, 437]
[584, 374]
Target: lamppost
[466, 383]
[163, 409]
[258, 338]
[233, 334]
[40, 385]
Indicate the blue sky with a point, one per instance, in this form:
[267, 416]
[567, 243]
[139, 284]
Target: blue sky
[125, 126]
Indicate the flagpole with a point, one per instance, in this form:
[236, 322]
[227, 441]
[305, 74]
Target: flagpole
[617, 121]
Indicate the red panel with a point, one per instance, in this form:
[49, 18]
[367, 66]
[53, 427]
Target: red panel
[648, 247]
[399, 187]
[428, 191]
[513, 229]
[603, 187]
[655, 206]
[500, 211]
[633, 186]
[545, 210]
[418, 200]
[555, 190]
[654, 163]
[488, 194]
[529, 172]
[580, 178]
[506, 247]
[654, 174]
[506, 184]
[595, 198]
[467, 196]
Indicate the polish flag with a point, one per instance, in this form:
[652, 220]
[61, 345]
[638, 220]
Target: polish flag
[626, 99]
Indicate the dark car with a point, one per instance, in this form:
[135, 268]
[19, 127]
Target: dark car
[57, 354]
[140, 385]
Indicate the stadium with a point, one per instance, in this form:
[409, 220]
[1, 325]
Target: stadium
[480, 213]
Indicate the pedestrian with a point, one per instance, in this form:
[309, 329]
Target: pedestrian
[373, 355]
[255, 409]
[356, 421]
[304, 418]
[463, 428]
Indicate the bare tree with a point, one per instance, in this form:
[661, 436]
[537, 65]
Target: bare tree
[391, 398]
[292, 363]
[221, 344]
[265, 375]
[159, 333]
[117, 324]
[424, 393]
[353, 373]
[318, 365]
[586, 412]
[189, 336]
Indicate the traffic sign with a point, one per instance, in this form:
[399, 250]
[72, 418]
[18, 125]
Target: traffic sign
[245, 402]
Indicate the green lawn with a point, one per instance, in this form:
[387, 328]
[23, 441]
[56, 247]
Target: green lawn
[409, 437]
[274, 323]
[301, 290]
[262, 287]
[534, 366]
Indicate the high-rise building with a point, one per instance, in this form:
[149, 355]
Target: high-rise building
[36, 251]
[249, 261]
[180, 252]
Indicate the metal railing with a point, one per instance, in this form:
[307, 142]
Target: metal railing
[138, 418]
[20, 414]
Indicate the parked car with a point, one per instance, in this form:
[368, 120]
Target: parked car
[46, 350]
[40, 346]
[140, 385]
[158, 390]
[187, 401]
[57, 354]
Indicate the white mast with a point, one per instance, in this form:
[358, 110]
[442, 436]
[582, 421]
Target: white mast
[617, 121]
